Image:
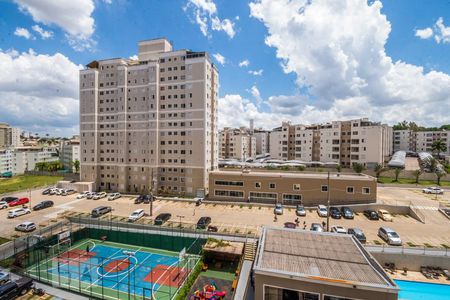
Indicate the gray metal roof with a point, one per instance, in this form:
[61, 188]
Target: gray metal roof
[328, 257]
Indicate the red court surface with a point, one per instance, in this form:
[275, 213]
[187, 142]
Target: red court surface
[165, 275]
[74, 257]
[117, 265]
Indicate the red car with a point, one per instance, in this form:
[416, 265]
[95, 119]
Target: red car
[20, 201]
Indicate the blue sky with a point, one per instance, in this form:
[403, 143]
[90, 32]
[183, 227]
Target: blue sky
[306, 69]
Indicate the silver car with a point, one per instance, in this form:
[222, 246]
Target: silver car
[389, 236]
[278, 210]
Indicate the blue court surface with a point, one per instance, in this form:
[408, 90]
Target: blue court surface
[115, 271]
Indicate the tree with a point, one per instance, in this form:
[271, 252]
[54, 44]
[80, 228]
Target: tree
[439, 174]
[378, 170]
[432, 164]
[358, 168]
[417, 174]
[439, 146]
[76, 165]
[339, 168]
[397, 173]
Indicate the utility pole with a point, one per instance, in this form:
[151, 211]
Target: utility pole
[328, 202]
[151, 194]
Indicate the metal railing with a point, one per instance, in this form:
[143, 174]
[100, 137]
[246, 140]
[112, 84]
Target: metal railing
[409, 250]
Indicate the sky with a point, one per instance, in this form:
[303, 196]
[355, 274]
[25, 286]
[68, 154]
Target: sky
[304, 61]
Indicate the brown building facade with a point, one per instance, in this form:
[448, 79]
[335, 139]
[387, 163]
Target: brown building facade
[291, 188]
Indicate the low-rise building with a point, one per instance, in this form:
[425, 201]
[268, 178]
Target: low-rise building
[298, 264]
[308, 189]
[237, 144]
[21, 159]
[420, 141]
[69, 153]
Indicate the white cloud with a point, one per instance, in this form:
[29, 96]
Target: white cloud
[205, 14]
[442, 32]
[134, 57]
[337, 51]
[244, 63]
[23, 32]
[425, 33]
[45, 34]
[107, 1]
[219, 58]
[256, 72]
[74, 17]
[39, 92]
[256, 94]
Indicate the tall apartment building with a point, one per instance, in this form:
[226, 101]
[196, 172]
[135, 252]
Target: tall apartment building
[419, 141]
[69, 152]
[9, 136]
[150, 124]
[261, 141]
[237, 144]
[344, 142]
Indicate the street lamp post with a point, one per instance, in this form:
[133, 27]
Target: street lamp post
[328, 202]
[181, 217]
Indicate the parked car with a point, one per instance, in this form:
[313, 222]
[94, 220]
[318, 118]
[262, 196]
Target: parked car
[9, 199]
[43, 204]
[278, 210]
[212, 228]
[99, 196]
[371, 214]
[358, 233]
[26, 226]
[300, 211]
[53, 191]
[46, 191]
[148, 199]
[385, 215]
[290, 225]
[335, 213]
[142, 199]
[316, 227]
[347, 213]
[4, 277]
[3, 204]
[136, 215]
[114, 196]
[322, 211]
[67, 192]
[12, 290]
[20, 201]
[83, 195]
[338, 229]
[56, 192]
[14, 213]
[433, 190]
[199, 200]
[203, 222]
[389, 236]
[90, 195]
[162, 218]
[100, 211]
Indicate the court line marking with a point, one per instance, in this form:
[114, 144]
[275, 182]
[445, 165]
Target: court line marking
[132, 269]
[159, 285]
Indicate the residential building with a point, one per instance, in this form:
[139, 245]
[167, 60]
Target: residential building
[292, 188]
[281, 142]
[300, 264]
[69, 153]
[9, 136]
[419, 141]
[236, 144]
[21, 159]
[150, 124]
[261, 141]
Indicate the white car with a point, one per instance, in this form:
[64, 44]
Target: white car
[18, 212]
[322, 211]
[58, 192]
[99, 195]
[90, 195]
[389, 236]
[83, 195]
[136, 215]
[114, 196]
[338, 229]
[433, 190]
[3, 204]
[278, 210]
[26, 227]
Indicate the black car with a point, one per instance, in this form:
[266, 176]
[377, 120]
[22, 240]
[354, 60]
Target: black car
[43, 204]
[371, 214]
[46, 191]
[147, 199]
[335, 213]
[9, 199]
[142, 199]
[162, 218]
[12, 290]
[347, 213]
[358, 233]
[203, 222]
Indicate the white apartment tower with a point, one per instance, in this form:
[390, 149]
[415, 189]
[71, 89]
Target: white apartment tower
[150, 124]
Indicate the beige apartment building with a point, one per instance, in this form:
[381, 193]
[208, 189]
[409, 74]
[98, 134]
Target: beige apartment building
[309, 189]
[419, 141]
[150, 124]
[236, 144]
[344, 142]
[261, 141]
[298, 265]
[9, 136]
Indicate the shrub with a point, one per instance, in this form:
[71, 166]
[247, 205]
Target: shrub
[183, 292]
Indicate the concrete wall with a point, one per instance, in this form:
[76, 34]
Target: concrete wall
[411, 261]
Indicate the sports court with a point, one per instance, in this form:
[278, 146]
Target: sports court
[112, 270]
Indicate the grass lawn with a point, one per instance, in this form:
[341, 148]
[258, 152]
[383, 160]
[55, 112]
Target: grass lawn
[388, 180]
[23, 182]
[3, 240]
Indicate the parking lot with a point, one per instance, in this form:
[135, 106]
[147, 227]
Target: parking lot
[243, 218]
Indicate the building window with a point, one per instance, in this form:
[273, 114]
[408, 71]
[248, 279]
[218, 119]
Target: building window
[350, 190]
[324, 188]
[224, 182]
[296, 187]
[234, 194]
[258, 185]
[272, 185]
[366, 191]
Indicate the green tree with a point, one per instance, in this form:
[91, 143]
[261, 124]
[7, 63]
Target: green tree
[439, 175]
[378, 170]
[439, 146]
[358, 168]
[339, 168]
[397, 172]
[432, 164]
[417, 174]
